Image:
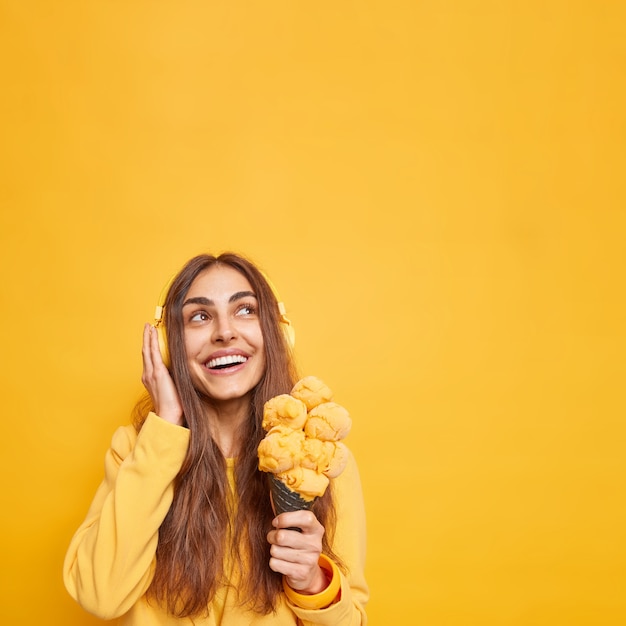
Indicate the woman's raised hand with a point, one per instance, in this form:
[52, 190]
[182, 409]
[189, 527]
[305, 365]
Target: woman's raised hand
[157, 380]
[296, 554]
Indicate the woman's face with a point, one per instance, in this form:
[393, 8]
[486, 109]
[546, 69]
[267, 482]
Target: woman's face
[223, 339]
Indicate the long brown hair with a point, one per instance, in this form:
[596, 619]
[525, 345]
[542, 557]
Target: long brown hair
[204, 526]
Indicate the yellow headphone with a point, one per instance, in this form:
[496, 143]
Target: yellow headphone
[159, 322]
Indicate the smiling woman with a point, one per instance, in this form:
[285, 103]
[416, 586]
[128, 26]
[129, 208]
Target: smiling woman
[182, 525]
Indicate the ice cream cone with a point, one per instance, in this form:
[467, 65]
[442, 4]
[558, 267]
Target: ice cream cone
[285, 500]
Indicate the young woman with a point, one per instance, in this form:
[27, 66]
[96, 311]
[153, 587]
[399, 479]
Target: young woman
[181, 530]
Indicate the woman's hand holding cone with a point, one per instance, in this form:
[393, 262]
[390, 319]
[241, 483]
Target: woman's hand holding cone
[296, 554]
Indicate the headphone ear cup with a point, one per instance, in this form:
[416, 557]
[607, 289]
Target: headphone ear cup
[165, 353]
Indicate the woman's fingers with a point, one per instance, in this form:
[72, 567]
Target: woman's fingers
[296, 554]
[146, 354]
[155, 348]
[305, 521]
[157, 380]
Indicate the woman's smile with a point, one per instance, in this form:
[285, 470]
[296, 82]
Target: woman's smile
[226, 363]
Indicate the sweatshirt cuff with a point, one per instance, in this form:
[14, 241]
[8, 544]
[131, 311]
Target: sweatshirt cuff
[322, 599]
[161, 440]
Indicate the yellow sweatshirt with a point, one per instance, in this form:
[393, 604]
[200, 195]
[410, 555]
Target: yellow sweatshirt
[111, 559]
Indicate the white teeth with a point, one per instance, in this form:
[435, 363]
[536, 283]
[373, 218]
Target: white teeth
[227, 360]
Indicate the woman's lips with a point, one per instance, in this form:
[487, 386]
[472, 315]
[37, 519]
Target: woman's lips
[223, 362]
[226, 361]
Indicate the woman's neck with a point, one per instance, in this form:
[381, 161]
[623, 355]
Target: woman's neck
[226, 419]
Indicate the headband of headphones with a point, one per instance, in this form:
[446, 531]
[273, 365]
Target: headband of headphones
[159, 323]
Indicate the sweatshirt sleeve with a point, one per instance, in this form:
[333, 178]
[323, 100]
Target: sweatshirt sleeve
[350, 545]
[110, 562]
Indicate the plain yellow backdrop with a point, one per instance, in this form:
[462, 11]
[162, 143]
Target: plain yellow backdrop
[436, 188]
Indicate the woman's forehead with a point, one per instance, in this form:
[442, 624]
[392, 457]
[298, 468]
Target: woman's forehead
[218, 280]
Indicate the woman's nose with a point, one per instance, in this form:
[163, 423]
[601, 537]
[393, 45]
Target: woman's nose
[223, 330]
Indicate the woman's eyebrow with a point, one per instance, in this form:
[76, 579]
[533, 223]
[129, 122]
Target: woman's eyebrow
[199, 300]
[207, 302]
[241, 294]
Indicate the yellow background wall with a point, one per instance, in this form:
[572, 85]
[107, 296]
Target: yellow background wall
[437, 188]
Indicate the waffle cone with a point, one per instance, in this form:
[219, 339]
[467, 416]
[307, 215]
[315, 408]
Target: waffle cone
[285, 500]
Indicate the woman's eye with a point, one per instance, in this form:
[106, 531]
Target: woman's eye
[200, 316]
[246, 309]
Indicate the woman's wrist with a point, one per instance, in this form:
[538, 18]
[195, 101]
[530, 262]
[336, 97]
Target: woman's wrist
[323, 598]
[321, 581]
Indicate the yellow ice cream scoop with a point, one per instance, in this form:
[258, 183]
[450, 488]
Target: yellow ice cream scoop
[307, 482]
[280, 449]
[316, 453]
[328, 457]
[312, 391]
[284, 410]
[328, 421]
